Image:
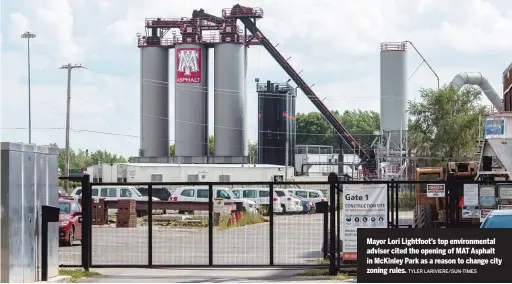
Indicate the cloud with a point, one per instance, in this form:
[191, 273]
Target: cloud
[335, 43]
[18, 24]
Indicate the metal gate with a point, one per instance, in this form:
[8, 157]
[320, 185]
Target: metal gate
[209, 238]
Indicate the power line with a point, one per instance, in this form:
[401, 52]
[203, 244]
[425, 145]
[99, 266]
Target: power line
[137, 136]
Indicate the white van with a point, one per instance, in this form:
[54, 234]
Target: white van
[260, 196]
[201, 194]
[116, 192]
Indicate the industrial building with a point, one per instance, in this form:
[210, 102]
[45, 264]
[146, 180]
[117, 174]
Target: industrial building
[191, 46]
[190, 40]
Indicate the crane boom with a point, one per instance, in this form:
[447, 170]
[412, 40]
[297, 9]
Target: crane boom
[245, 15]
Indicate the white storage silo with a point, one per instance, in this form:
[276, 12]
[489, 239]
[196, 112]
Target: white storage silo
[154, 101]
[191, 100]
[229, 99]
[393, 92]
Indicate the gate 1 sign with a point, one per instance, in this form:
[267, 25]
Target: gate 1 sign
[364, 206]
[188, 65]
[435, 190]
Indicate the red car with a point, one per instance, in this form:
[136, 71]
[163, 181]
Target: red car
[70, 221]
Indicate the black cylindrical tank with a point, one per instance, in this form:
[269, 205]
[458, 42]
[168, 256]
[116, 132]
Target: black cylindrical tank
[276, 121]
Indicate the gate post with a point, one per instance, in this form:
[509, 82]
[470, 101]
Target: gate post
[333, 180]
[150, 225]
[86, 222]
[210, 225]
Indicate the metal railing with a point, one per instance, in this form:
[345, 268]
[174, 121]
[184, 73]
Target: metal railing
[205, 39]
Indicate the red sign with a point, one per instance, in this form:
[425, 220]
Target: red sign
[349, 255]
[188, 65]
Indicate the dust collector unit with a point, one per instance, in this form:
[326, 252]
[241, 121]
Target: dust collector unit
[276, 122]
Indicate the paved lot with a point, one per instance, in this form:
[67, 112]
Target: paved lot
[297, 240]
[113, 275]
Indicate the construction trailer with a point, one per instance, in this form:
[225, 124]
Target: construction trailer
[159, 172]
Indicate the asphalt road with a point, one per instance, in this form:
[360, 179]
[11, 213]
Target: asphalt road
[297, 240]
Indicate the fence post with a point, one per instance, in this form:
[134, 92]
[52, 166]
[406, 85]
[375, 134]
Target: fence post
[397, 203]
[452, 204]
[210, 224]
[150, 225]
[333, 180]
[271, 221]
[86, 223]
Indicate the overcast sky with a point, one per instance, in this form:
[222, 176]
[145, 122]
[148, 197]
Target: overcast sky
[336, 43]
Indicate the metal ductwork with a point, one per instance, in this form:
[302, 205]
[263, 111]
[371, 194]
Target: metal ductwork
[477, 79]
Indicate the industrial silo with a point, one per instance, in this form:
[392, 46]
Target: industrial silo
[191, 100]
[276, 123]
[393, 92]
[229, 99]
[154, 101]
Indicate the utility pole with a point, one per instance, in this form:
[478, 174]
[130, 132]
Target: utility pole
[28, 35]
[70, 68]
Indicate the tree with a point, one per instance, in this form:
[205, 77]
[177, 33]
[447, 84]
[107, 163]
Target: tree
[82, 159]
[445, 123]
[253, 152]
[314, 129]
[211, 145]
[361, 125]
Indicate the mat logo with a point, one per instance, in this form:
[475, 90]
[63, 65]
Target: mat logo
[188, 62]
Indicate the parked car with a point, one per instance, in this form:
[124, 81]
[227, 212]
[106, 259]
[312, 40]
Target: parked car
[162, 193]
[498, 219]
[116, 192]
[307, 206]
[312, 195]
[289, 203]
[259, 196]
[70, 221]
[201, 194]
[62, 192]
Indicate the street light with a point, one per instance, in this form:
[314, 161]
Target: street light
[28, 35]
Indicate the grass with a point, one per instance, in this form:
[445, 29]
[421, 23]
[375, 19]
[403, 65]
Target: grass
[322, 261]
[77, 274]
[247, 219]
[324, 272]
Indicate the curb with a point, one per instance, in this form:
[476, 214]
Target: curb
[57, 279]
